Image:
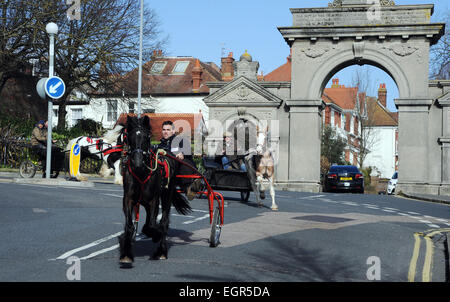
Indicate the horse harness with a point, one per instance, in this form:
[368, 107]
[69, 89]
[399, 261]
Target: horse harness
[154, 157]
[99, 144]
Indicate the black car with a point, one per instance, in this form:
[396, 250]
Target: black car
[347, 178]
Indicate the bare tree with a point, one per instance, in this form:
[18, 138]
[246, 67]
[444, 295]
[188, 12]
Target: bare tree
[19, 29]
[364, 113]
[440, 52]
[90, 53]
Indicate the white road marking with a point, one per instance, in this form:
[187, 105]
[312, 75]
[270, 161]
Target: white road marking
[91, 255]
[37, 210]
[392, 209]
[440, 220]
[84, 247]
[425, 221]
[112, 195]
[403, 214]
[413, 213]
[389, 211]
[433, 226]
[416, 217]
[196, 219]
[312, 196]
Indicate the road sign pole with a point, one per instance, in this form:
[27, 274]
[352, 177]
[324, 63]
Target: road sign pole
[51, 29]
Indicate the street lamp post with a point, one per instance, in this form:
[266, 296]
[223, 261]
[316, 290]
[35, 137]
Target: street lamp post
[52, 30]
[140, 59]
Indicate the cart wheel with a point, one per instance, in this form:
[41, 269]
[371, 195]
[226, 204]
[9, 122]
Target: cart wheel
[245, 195]
[27, 169]
[215, 229]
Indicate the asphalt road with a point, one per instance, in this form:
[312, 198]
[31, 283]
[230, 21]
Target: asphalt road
[46, 231]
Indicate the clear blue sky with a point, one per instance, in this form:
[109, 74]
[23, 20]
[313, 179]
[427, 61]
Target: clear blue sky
[202, 28]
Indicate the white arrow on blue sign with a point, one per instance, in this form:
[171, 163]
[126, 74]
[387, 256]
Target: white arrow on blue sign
[55, 87]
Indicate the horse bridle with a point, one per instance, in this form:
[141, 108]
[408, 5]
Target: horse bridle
[139, 148]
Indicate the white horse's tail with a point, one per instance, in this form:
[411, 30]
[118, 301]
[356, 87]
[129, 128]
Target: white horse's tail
[112, 135]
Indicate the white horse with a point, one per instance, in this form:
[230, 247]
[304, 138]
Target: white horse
[105, 148]
[264, 166]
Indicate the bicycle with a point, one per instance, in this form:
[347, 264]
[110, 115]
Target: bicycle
[29, 167]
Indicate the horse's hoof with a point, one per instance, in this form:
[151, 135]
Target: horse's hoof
[158, 257]
[274, 208]
[260, 204]
[126, 262]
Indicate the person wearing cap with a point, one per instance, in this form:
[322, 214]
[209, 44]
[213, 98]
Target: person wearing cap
[39, 143]
[231, 160]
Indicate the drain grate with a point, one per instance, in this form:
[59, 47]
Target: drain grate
[319, 218]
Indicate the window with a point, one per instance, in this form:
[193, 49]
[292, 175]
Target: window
[131, 107]
[158, 67]
[77, 114]
[352, 125]
[180, 67]
[149, 110]
[332, 117]
[111, 111]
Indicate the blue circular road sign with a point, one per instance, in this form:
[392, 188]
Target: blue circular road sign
[55, 87]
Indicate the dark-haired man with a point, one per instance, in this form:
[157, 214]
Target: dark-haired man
[180, 147]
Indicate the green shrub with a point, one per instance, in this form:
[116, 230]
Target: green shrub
[367, 178]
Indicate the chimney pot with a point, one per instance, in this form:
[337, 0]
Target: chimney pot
[382, 94]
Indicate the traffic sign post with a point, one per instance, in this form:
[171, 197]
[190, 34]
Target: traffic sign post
[52, 29]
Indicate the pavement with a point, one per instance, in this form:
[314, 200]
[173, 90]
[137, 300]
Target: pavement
[62, 180]
[428, 197]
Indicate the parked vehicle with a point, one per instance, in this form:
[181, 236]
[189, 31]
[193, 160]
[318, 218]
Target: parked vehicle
[392, 184]
[344, 178]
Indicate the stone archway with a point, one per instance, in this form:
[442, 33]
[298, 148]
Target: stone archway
[396, 39]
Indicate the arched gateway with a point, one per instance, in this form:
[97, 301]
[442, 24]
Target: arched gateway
[325, 40]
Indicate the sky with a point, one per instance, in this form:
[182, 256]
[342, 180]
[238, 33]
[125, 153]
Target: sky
[208, 30]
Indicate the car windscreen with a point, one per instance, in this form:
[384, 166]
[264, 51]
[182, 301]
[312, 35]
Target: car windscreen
[344, 169]
[395, 176]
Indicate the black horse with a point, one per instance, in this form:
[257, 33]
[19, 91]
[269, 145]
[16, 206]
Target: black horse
[148, 179]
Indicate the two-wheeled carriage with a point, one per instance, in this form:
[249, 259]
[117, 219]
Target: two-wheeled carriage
[227, 179]
[215, 202]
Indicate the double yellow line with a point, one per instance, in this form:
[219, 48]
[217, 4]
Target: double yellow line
[428, 263]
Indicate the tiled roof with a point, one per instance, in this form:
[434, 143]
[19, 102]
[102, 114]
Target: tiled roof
[281, 74]
[156, 120]
[342, 96]
[168, 82]
[378, 115]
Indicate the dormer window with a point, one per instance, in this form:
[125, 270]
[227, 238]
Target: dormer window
[180, 67]
[158, 67]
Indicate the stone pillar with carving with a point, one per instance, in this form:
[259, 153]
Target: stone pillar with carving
[413, 145]
[444, 141]
[304, 144]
